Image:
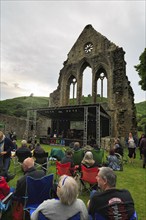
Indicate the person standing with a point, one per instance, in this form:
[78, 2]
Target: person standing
[143, 149]
[132, 144]
[110, 203]
[140, 149]
[6, 146]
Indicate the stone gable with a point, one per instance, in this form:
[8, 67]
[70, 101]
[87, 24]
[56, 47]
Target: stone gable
[94, 50]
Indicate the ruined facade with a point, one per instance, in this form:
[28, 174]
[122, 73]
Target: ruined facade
[103, 57]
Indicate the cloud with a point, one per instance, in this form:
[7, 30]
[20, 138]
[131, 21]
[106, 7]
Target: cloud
[36, 37]
[3, 83]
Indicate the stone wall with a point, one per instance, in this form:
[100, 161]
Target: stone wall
[12, 123]
[18, 125]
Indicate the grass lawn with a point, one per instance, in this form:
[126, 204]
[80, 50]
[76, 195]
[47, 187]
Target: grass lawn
[133, 178]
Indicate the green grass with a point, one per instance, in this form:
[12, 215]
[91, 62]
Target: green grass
[132, 178]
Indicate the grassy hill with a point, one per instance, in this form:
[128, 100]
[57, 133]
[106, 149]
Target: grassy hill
[19, 106]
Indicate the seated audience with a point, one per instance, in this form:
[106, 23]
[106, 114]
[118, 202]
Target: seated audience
[38, 149]
[29, 170]
[118, 147]
[110, 203]
[88, 160]
[66, 206]
[87, 148]
[112, 160]
[23, 149]
[4, 188]
[76, 146]
[68, 157]
[40, 159]
[96, 147]
[31, 147]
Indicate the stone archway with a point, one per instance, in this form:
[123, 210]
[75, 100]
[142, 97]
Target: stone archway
[102, 56]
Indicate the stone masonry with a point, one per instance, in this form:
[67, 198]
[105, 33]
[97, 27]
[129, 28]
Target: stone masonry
[95, 51]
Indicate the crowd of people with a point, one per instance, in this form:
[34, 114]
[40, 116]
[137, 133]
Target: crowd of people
[106, 201]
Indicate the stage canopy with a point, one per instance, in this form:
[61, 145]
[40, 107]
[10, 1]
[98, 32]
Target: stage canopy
[83, 121]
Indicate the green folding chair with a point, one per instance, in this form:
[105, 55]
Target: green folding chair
[78, 156]
[98, 155]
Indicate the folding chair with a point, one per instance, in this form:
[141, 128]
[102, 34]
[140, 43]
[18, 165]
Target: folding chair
[98, 155]
[75, 217]
[88, 175]
[134, 216]
[5, 203]
[120, 161]
[63, 169]
[78, 156]
[56, 154]
[41, 160]
[20, 156]
[37, 190]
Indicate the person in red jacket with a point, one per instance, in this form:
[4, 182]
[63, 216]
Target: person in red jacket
[4, 188]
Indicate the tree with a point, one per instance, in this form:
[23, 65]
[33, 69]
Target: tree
[141, 69]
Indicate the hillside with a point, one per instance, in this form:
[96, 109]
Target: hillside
[19, 106]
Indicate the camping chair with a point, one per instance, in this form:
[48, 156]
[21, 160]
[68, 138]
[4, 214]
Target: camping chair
[88, 175]
[41, 160]
[78, 156]
[134, 216]
[56, 154]
[20, 156]
[37, 190]
[120, 161]
[75, 217]
[98, 155]
[5, 203]
[63, 169]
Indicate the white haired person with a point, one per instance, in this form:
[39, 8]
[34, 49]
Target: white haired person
[110, 203]
[68, 204]
[88, 160]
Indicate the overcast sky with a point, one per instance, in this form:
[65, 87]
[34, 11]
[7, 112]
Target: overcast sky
[36, 37]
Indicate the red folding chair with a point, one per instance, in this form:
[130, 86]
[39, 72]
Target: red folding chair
[88, 175]
[63, 169]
